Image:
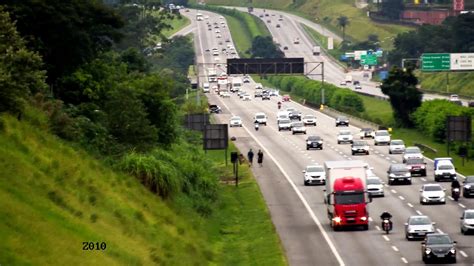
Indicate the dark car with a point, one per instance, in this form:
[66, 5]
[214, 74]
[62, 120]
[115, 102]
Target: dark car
[360, 146]
[438, 247]
[468, 186]
[398, 172]
[295, 115]
[356, 82]
[285, 47]
[416, 166]
[214, 109]
[265, 96]
[342, 121]
[470, 104]
[314, 142]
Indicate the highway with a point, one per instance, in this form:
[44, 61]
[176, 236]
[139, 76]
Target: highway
[298, 211]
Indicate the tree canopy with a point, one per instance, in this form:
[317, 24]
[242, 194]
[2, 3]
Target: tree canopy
[264, 47]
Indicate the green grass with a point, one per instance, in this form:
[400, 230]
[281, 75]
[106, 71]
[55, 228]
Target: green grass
[177, 23]
[242, 40]
[55, 196]
[377, 111]
[323, 42]
[459, 83]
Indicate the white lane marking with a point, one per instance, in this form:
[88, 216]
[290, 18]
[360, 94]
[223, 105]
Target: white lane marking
[419, 213]
[395, 248]
[388, 158]
[349, 158]
[461, 205]
[394, 191]
[410, 205]
[404, 260]
[394, 161]
[439, 231]
[336, 149]
[423, 179]
[341, 152]
[463, 254]
[370, 219]
[386, 238]
[451, 198]
[378, 228]
[401, 197]
[300, 196]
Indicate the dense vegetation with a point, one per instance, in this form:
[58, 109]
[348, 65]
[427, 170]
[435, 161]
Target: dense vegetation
[94, 76]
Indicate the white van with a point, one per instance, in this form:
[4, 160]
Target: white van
[261, 118]
[205, 87]
[382, 137]
[444, 169]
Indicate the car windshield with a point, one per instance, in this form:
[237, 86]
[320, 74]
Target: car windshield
[297, 124]
[313, 169]
[438, 240]
[314, 138]
[290, 109]
[373, 181]
[382, 133]
[348, 198]
[344, 133]
[432, 188]
[235, 118]
[469, 215]
[366, 130]
[445, 167]
[420, 221]
[342, 118]
[412, 150]
[360, 143]
[415, 161]
[285, 121]
[397, 142]
[399, 169]
[260, 116]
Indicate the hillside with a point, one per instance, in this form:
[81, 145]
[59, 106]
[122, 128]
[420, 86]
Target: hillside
[55, 197]
[327, 12]
[459, 83]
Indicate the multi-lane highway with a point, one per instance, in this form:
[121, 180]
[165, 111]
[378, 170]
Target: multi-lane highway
[298, 211]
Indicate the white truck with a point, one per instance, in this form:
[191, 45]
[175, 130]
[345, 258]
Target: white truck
[346, 195]
[236, 84]
[212, 74]
[348, 79]
[316, 50]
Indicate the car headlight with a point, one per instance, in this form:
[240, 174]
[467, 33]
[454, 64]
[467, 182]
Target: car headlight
[308, 142]
[337, 219]
[452, 250]
[408, 174]
[391, 175]
[422, 167]
[467, 186]
[363, 218]
[428, 250]
[320, 142]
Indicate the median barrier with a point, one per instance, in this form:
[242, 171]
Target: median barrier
[425, 147]
[353, 120]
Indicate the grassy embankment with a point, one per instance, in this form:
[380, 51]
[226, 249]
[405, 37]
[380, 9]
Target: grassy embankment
[177, 23]
[55, 197]
[459, 83]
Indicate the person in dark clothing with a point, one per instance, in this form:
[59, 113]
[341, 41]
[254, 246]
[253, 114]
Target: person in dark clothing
[260, 158]
[250, 157]
[455, 184]
[386, 215]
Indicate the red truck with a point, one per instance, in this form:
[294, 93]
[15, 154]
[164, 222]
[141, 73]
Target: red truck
[346, 195]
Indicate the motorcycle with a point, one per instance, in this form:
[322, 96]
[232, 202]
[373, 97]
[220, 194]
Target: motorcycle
[386, 225]
[256, 126]
[455, 193]
[279, 106]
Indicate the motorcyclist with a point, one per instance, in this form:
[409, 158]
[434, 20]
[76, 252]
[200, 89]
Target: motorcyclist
[279, 105]
[385, 215]
[455, 184]
[256, 125]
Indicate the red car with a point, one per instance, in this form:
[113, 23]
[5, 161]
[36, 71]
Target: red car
[286, 98]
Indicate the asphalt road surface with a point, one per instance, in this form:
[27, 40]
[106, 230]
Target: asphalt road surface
[298, 211]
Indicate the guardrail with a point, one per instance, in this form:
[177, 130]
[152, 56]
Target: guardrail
[425, 147]
[354, 120]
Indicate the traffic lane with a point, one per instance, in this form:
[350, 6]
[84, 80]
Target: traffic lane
[298, 233]
[297, 162]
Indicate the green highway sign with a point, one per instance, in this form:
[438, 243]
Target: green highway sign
[435, 62]
[369, 59]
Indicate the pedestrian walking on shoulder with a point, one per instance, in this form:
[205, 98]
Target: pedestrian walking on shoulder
[260, 158]
[250, 157]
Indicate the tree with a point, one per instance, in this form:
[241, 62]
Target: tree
[405, 98]
[264, 47]
[66, 33]
[343, 22]
[20, 69]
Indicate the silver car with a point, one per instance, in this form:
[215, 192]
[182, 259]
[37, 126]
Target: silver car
[467, 221]
[396, 146]
[375, 187]
[417, 226]
[432, 193]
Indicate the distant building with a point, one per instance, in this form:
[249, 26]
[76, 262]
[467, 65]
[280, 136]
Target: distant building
[433, 17]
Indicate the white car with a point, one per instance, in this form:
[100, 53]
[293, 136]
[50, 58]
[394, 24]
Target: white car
[218, 31]
[309, 120]
[218, 36]
[314, 174]
[444, 169]
[224, 94]
[235, 121]
[454, 97]
[432, 193]
[418, 226]
[412, 152]
[396, 146]
[381, 137]
[467, 221]
[246, 97]
[375, 186]
[298, 127]
[344, 136]
[284, 124]
[261, 118]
